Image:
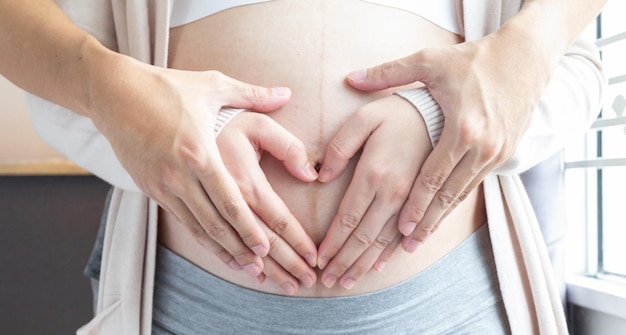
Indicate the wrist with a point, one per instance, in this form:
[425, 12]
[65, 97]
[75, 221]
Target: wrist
[98, 65]
[549, 27]
[115, 84]
[523, 50]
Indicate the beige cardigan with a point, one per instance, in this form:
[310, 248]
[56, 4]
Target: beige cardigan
[139, 28]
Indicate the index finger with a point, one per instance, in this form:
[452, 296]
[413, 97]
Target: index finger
[434, 172]
[227, 198]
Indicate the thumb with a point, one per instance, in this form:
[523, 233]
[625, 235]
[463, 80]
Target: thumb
[238, 94]
[399, 72]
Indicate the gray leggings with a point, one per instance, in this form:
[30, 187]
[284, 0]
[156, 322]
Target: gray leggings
[457, 295]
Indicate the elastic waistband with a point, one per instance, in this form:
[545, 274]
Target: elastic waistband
[450, 292]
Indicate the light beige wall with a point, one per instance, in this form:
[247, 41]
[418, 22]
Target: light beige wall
[18, 140]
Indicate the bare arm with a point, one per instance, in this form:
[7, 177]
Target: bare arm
[160, 124]
[46, 54]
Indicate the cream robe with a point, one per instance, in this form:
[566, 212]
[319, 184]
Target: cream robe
[139, 28]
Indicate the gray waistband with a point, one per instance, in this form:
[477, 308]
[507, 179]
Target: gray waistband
[458, 293]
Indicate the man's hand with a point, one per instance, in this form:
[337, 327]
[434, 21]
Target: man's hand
[160, 123]
[487, 106]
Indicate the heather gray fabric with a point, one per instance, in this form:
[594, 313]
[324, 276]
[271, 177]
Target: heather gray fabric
[457, 295]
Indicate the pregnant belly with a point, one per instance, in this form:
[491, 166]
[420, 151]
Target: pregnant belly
[308, 46]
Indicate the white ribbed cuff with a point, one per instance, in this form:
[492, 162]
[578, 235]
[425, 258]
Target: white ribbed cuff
[428, 108]
[223, 117]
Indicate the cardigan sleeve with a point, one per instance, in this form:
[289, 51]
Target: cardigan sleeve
[568, 106]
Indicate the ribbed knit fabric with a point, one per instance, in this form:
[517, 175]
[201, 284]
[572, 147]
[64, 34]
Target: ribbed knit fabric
[429, 108]
[223, 117]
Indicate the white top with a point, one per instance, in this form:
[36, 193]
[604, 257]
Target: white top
[444, 13]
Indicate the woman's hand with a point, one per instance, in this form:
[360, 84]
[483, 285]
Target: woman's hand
[241, 143]
[160, 123]
[487, 90]
[393, 137]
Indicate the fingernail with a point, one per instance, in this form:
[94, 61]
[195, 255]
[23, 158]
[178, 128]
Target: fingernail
[252, 269]
[309, 171]
[260, 250]
[408, 228]
[322, 261]
[348, 283]
[358, 76]
[330, 281]
[311, 260]
[307, 280]
[234, 265]
[288, 288]
[324, 174]
[412, 245]
[281, 91]
[380, 265]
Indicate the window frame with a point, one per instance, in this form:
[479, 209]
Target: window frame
[590, 286]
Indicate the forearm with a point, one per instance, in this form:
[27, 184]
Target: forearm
[551, 26]
[574, 79]
[566, 109]
[46, 54]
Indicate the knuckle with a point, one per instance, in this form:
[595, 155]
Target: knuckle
[381, 242]
[197, 231]
[432, 183]
[399, 192]
[195, 157]
[223, 255]
[362, 240]
[256, 93]
[385, 70]
[422, 233]
[336, 148]
[215, 77]
[349, 222]
[462, 196]
[445, 199]
[243, 256]
[491, 150]
[375, 176]
[280, 226]
[469, 131]
[231, 210]
[296, 149]
[416, 212]
[214, 231]
[273, 241]
[426, 56]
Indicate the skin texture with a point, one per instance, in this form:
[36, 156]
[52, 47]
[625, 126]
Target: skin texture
[166, 143]
[309, 47]
[76, 72]
[487, 106]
